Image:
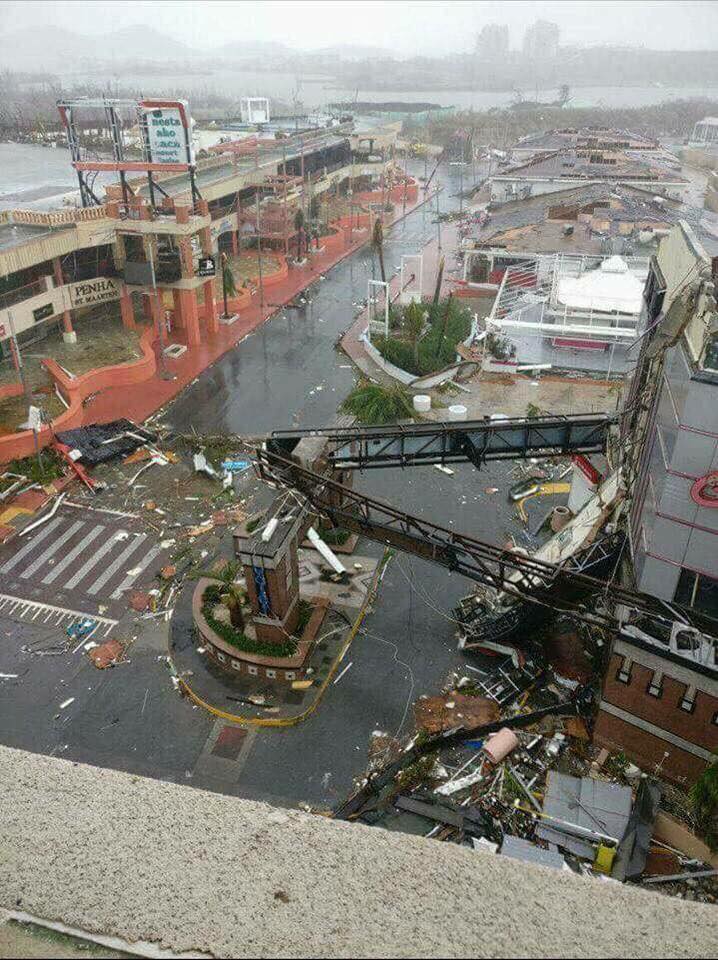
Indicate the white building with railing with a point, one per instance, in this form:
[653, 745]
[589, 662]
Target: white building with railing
[570, 312]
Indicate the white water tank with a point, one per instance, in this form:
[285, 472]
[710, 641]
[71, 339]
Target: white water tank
[422, 403]
[457, 411]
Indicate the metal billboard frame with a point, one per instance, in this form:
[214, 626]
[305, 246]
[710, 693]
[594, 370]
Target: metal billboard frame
[111, 107]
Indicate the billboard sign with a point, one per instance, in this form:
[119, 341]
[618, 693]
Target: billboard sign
[168, 135]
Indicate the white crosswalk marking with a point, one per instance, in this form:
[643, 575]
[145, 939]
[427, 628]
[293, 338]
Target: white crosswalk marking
[51, 550]
[38, 538]
[89, 554]
[116, 564]
[75, 552]
[91, 562]
[131, 577]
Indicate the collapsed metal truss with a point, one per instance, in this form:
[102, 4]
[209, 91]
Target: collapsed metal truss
[475, 441]
[559, 587]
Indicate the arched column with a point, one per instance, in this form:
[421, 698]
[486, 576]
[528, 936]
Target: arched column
[187, 315]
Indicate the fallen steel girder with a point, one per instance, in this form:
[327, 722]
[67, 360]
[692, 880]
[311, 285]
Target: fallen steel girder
[475, 441]
[597, 559]
[375, 782]
[537, 581]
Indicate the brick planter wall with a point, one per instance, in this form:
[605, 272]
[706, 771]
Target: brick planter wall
[235, 661]
[22, 444]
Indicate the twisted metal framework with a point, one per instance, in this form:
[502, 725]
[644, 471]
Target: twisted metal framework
[561, 587]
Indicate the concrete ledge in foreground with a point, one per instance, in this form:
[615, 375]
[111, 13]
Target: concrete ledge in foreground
[194, 871]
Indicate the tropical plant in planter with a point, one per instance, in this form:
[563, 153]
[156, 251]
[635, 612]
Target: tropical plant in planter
[229, 288]
[232, 595]
[413, 325]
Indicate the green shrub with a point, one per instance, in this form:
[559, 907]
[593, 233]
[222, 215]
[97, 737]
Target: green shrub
[436, 349]
[334, 536]
[236, 638]
[375, 404]
[704, 797]
[305, 613]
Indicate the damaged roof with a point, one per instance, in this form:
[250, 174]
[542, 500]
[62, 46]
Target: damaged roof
[556, 139]
[570, 163]
[537, 223]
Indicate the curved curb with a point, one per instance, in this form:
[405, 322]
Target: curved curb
[290, 721]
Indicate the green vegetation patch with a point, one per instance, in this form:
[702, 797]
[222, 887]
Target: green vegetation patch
[424, 338]
[210, 598]
[375, 404]
[334, 536]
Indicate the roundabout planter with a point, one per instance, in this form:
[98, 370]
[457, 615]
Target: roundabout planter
[237, 661]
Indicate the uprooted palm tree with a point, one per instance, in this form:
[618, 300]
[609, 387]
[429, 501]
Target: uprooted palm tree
[377, 245]
[229, 288]
[374, 404]
[232, 596]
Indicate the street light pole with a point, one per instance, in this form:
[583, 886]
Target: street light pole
[438, 218]
[18, 359]
[259, 252]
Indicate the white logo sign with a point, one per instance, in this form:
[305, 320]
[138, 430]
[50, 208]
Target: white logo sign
[166, 135]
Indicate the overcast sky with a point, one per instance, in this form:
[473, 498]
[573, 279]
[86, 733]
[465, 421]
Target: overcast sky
[421, 26]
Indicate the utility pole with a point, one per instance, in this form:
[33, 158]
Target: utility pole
[23, 380]
[438, 218]
[284, 174]
[406, 157]
[259, 254]
[18, 359]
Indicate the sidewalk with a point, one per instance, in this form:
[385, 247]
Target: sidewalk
[140, 402]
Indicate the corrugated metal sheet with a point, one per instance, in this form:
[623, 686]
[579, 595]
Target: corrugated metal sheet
[519, 849]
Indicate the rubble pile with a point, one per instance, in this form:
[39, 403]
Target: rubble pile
[541, 794]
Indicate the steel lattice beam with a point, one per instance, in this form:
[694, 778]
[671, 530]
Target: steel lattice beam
[475, 441]
[562, 587]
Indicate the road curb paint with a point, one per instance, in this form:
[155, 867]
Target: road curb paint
[291, 721]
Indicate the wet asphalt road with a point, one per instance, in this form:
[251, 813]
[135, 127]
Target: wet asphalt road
[134, 720]
[289, 373]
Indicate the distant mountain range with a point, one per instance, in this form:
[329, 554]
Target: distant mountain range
[50, 49]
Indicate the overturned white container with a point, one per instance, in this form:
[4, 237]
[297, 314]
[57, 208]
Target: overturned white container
[560, 516]
[422, 403]
[457, 411]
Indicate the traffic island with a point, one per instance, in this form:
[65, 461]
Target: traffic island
[242, 651]
[256, 698]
